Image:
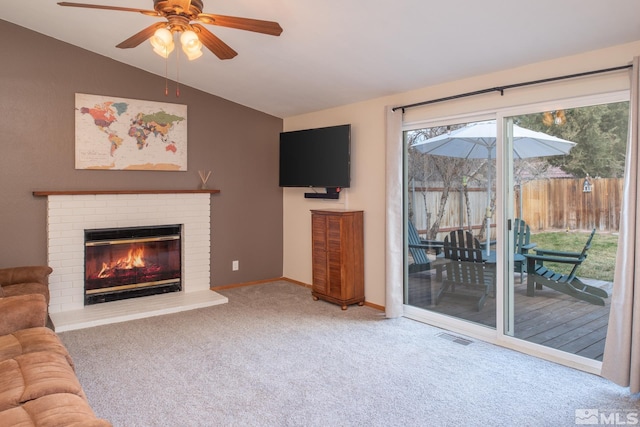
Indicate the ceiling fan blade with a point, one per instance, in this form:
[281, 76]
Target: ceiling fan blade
[141, 36]
[265, 27]
[97, 6]
[213, 43]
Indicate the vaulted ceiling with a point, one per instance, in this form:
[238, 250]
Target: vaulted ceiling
[336, 52]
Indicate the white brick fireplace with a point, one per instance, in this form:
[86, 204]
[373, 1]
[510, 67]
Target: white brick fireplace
[68, 215]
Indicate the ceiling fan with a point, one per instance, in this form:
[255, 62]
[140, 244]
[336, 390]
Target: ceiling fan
[184, 16]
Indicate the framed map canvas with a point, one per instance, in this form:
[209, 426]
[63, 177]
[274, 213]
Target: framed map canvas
[130, 134]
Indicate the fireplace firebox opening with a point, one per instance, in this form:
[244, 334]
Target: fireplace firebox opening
[132, 262]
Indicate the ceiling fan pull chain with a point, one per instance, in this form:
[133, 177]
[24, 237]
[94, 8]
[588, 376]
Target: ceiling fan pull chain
[177, 73]
[166, 76]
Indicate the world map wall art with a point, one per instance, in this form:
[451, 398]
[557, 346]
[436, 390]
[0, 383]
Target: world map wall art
[130, 134]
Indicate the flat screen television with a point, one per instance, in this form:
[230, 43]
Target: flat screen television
[316, 158]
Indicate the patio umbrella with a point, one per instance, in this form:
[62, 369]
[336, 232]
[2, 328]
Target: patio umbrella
[478, 141]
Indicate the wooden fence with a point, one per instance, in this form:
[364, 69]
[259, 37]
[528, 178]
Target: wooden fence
[562, 203]
[558, 203]
[425, 202]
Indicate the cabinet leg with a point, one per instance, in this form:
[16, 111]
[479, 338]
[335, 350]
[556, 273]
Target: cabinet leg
[344, 307]
[361, 303]
[315, 298]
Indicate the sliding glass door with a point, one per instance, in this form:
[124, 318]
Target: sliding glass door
[566, 176]
[500, 214]
[450, 194]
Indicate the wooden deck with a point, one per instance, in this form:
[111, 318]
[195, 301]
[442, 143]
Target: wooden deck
[550, 318]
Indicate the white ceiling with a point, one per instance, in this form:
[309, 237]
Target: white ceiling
[335, 52]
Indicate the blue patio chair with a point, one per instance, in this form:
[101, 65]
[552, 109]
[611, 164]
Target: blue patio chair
[538, 275]
[466, 269]
[418, 249]
[522, 244]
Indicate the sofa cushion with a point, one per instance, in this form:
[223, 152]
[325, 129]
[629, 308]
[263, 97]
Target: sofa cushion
[33, 375]
[21, 312]
[25, 289]
[25, 280]
[11, 384]
[26, 274]
[30, 341]
[61, 409]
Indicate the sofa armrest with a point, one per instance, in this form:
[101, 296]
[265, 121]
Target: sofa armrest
[26, 274]
[22, 312]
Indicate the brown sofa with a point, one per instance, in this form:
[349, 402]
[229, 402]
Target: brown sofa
[25, 281]
[38, 385]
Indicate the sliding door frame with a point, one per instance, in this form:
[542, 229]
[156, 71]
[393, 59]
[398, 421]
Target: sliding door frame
[442, 321]
[504, 212]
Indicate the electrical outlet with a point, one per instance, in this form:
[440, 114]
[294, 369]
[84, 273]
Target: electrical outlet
[235, 265]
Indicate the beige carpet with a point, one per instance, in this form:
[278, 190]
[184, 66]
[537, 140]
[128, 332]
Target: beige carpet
[274, 357]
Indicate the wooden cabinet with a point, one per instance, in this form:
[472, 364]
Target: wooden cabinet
[338, 256]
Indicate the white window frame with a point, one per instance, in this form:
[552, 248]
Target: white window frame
[497, 335]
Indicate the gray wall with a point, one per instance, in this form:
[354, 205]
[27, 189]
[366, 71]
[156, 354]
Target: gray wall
[39, 77]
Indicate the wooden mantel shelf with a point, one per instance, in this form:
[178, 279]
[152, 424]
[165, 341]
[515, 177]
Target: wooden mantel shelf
[98, 192]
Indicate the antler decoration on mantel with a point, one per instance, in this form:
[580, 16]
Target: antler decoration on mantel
[204, 177]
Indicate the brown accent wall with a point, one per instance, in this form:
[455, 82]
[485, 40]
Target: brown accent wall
[39, 77]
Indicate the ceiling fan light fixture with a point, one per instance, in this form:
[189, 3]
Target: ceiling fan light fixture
[557, 117]
[191, 45]
[162, 36]
[192, 54]
[164, 51]
[162, 42]
[189, 39]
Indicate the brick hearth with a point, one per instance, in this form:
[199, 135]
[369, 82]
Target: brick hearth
[68, 215]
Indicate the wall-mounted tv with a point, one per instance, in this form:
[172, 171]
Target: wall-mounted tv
[316, 158]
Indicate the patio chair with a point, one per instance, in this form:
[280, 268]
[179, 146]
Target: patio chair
[418, 248]
[457, 241]
[465, 269]
[522, 244]
[538, 275]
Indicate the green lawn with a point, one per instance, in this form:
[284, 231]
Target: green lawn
[600, 262]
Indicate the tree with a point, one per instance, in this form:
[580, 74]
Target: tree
[600, 132]
[425, 170]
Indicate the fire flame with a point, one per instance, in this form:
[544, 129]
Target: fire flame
[134, 259]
